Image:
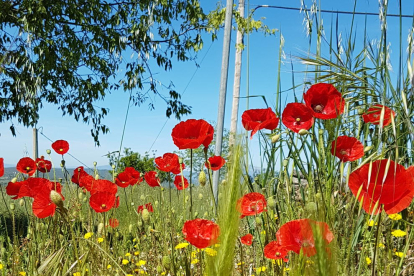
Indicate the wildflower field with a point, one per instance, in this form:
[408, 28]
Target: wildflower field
[333, 196]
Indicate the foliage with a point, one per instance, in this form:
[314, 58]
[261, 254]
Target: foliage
[70, 54]
[142, 163]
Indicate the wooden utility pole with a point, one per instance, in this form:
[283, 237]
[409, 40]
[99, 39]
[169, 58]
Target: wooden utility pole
[223, 89]
[35, 146]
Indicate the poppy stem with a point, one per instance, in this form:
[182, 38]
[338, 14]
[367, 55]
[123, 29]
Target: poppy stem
[209, 181]
[376, 245]
[191, 183]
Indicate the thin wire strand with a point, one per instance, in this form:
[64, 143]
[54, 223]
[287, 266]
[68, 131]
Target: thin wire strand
[328, 11]
[188, 84]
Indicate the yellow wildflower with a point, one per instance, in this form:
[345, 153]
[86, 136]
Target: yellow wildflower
[263, 232]
[129, 275]
[217, 245]
[195, 261]
[400, 254]
[371, 223]
[194, 254]
[286, 269]
[381, 245]
[181, 245]
[125, 262]
[136, 253]
[108, 266]
[77, 274]
[88, 235]
[22, 273]
[261, 269]
[127, 254]
[100, 240]
[210, 251]
[241, 263]
[1, 266]
[140, 263]
[368, 260]
[398, 233]
[395, 216]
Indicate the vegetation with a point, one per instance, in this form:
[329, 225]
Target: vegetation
[351, 214]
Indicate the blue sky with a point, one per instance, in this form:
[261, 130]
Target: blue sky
[201, 92]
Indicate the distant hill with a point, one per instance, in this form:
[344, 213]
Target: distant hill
[9, 173]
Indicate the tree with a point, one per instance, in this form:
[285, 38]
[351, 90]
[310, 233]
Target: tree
[142, 163]
[70, 53]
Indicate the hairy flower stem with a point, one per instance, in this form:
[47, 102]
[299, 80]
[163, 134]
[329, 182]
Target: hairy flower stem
[376, 245]
[191, 184]
[210, 176]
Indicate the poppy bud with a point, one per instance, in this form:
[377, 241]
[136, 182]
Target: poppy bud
[29, 230]
[200, 196]
[275, 138]
[95, 163]
[142, 197]
[311, 207]
[159, 269]
[100, 228]
[48, 151]
[62, 163]
[145, 215]
[224, 182]
[21, 202]
[96, 176]
[80, 196]
[202, 178]
[56, 198]
[130, 227]
[258, 221]
[360, 111]
[196, 214]
[14, 180]
[368, 148]
[186, 199]
[180, 160]
[113, 167]
[303, 132]
[206, 214]
[162, 189]
[285, 162]
[28, 236]
[271, 202]
[156, 203]
[139, 223]
[12, 206]
[84, 199]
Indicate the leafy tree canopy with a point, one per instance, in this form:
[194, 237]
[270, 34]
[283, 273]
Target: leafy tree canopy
[73, 53]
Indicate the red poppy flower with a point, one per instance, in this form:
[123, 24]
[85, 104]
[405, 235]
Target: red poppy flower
[178, 182]
[216, 162]
[247, 239]
[26, 165]
[124, 179]
[60, 147]
[42, 206]
[1, 167]
[392, 188]
[103, 185]
[257, 119]
[78, 173]
[152, 179]
[297, 235]
[169, 162]
[275, 251]
[113, 222]
[347, 148]
[251, 204]
[373, 115]
[201, 232]
[192, 133]
[134, 174]
[147, 206]
[297, 116]
[43, 165]
[86, 182]
[102, 201]
[324, 101]
[31, 187]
